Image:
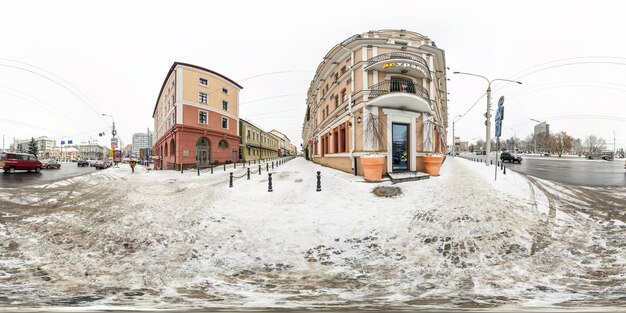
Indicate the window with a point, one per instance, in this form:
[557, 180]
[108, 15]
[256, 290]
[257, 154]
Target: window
[225, 90]
[225, 122]
[203, 81]
[173, 99]
[203, 117]
[222, 144]
[248, 137]
[225, 105]
[202, 97]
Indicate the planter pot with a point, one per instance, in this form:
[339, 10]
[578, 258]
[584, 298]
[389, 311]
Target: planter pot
[373, 167]
[432, 164]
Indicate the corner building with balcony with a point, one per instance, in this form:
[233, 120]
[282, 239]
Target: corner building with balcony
[380, 92]
[196, 118]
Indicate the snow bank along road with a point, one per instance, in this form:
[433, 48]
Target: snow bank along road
[166, 239]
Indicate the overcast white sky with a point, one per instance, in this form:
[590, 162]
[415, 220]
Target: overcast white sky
[117, 53]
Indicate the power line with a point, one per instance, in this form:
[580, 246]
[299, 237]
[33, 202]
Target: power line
[37, 102]
[57, 83]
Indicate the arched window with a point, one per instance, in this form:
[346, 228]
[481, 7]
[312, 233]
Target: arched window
[172, 148]
[165, 150]
[222, 144]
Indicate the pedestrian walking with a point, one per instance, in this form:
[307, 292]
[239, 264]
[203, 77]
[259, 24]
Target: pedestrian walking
[132, 165]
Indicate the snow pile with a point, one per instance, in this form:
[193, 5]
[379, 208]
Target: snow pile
[162, 238]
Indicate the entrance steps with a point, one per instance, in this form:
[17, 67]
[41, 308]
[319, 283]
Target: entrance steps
[401, 177]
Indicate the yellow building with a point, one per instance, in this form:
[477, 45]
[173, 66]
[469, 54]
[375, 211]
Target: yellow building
[379, 92]
[256, 143]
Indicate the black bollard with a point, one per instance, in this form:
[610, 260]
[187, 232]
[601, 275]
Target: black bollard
[269, 182]
[231, 180]
[491, 162]
[504, 171]
[198, 170]
[234, 164]
[224, 166]
[272, 164]
[319, 181]
[248, 173]
[259, 169]
[248, 163]
[211, 169]
[267, 167]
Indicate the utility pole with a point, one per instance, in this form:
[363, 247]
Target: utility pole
[488, 114]
[453, 142]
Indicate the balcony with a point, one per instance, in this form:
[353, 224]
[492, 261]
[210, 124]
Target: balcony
[400, 94]
[399, 63]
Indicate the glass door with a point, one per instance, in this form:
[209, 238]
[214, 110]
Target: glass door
[400, 147]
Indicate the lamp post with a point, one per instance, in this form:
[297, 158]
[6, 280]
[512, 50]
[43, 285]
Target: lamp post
[488, 115]
[535, 137]
[453, 142]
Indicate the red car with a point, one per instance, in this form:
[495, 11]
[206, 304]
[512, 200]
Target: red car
[11, 162]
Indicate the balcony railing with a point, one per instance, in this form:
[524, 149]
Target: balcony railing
[395, 56]
[398, 85]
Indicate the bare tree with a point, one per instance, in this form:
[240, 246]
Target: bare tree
[561, 142]
[594, 143]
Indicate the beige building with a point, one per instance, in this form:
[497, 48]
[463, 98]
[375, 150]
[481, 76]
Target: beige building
[380, 92]
[256, 143]
[196, 118]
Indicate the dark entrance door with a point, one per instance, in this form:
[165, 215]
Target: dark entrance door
[399, 147]
[203, 152]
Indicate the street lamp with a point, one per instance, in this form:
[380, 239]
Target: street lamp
[535, 137]
[453, 142]
[488, 115]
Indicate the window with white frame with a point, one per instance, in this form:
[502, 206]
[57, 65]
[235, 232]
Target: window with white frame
[203, 81]
[225, 105]
[203, 117]
[225, 122]
[202, 97]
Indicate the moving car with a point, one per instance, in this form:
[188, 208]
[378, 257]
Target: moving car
[51, 163]
[511, 158]
[11, 162]
[100, 165]
[83, 163]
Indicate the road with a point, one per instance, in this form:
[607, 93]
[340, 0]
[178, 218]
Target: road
[573, 171]
[23, 178]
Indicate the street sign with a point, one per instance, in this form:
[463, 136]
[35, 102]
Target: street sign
[499, 116]
[62, 142]
[114, 143]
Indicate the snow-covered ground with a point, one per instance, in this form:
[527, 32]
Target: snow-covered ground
[163, 239]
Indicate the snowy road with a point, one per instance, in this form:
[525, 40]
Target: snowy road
[166, 239]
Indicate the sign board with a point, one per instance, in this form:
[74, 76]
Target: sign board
[62, 142]
[69, 142]
[111, 152]
[499, 116]
[114, 143]
[310, 142]
[186, 153]
[117, 156]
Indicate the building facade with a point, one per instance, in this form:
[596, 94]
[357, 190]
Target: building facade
[256, 143]
[196, 118]
[285, 144]
[141, 141]
[380, 92]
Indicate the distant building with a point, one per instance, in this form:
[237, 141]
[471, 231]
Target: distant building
[91, 151]
[542, 128]
[463, 146]
[256, 143]
[285, 145]
[294, 149]
[141, 141]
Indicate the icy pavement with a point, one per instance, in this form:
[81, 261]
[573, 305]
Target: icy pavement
[163, 239]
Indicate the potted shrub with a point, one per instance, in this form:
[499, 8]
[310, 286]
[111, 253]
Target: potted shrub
[374, 163]
[433, 161]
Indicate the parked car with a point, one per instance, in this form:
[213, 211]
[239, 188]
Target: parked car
[82, 163]
[511, 158]
[100, 165]
[11, 162]
[92, 162]
[51, 163]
